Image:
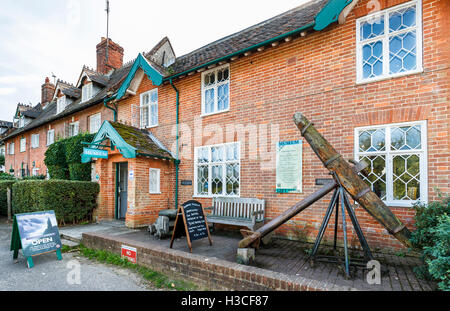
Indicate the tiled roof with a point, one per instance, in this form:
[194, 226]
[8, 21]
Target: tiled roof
[279, 25]
[143, 141]
[271, 28]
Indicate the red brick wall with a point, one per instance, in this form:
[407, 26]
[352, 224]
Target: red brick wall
[317, 76]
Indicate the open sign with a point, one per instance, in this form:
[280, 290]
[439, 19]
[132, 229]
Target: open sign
[130, 253]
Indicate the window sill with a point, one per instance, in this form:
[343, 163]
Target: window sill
[155, 193]
[383, 78]
[214, 113]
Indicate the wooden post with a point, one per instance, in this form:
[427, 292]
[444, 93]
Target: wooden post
[9, 203]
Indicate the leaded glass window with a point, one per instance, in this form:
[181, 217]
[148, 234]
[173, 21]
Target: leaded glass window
[149, 109]
[389, 43]
[216, 90]
[217, 170]
[396, 158]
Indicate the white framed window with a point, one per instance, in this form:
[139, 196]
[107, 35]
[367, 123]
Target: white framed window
[397, 158]
[95, 122]
[35, 141]
[87, 92]
[50, 137]
[35, 171]
[154, 181]
[216, 90]
[74, 128]
[60, 104]
[217, 170]
[21, 122]
[389, 42]
[10, 148]
[23, 144]
[149, 109]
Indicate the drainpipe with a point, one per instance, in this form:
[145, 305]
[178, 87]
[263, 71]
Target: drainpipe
[177, 160]
[105, 103]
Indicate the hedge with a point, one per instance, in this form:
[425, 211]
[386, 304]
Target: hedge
[63, 159]
[4, 184]
[72, 201]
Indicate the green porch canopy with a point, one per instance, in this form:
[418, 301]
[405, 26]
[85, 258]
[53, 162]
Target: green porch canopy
[130, 141]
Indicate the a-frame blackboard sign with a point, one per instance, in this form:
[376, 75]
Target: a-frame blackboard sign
[192, 216]
[35, 233]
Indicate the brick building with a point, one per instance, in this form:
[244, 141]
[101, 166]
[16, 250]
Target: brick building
[372, 75]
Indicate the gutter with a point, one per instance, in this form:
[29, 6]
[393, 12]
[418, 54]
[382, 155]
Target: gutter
[105, 103]
[177, 160]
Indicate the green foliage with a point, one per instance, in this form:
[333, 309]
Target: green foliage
[2, 160]
[6, 176]
[156, 278]
[4, 184]
[63, 159]
[37, 177]
[432, 238]
[55, 160]
[72, 201]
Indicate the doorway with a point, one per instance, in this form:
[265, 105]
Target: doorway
[121, 190]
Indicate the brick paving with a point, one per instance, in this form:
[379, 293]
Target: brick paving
[288, 257]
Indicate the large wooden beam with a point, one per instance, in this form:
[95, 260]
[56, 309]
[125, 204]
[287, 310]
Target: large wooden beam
[350, 180]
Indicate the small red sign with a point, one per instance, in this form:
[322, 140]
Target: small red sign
[130, 253]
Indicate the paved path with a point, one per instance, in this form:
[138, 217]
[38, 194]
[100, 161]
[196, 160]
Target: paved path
[51, 274]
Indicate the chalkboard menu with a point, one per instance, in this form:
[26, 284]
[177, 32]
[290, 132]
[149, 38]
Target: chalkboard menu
[192, 215]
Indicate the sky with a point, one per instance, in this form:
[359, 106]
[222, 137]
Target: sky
[46, 37]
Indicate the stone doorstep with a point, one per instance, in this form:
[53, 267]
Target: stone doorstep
[236, 275]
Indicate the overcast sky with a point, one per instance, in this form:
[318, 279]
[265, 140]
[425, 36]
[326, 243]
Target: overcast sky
[38, 38]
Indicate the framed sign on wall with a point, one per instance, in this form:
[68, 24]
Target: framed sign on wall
[289, 167]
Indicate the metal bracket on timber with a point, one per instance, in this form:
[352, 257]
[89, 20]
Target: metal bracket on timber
[349, 180]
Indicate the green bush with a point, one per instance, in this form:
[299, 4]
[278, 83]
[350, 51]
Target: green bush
[4, 184]
[36, 177]
[63, 159]
[72, 201]
[6, 176]
[55, 160]
[432, 239]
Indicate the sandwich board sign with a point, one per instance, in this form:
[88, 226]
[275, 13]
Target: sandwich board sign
[192, 215]
[36, 234]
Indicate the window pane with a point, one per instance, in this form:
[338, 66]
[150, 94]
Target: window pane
[217, 180]
[402, 52]
[209, 101]
[154, 97]
[372, 59]
[202, 180]
[203, 155]
[154, 115]
[232, 152]
[406, 138]
[375, 174]
[406, 176]
[233, 179]
[402, 19]
[144, 116]
[372, 28]
[210, 79]
[217, 154]
[372, 140]
[223, 96]
[223, 75]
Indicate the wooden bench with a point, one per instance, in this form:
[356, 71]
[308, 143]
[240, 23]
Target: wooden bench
[249, 213]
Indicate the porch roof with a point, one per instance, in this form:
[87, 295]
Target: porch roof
[131, 141]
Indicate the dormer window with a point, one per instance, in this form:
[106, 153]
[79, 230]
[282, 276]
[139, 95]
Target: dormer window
[60, 104]
[21, 122]
[87, 92]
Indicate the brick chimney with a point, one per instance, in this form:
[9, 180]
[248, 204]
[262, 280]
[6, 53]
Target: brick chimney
[113, 60]
[47, 91]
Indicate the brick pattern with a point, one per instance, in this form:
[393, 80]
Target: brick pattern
[316, 75]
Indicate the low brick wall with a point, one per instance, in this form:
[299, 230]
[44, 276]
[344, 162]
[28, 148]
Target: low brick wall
[212, 273]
